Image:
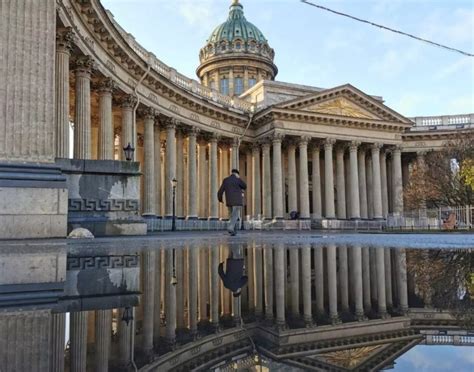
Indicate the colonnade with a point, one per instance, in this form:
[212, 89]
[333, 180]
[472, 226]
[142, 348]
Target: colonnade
[300, 286]
[317, 177]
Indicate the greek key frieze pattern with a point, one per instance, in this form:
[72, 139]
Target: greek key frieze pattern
[103, 205]
[102, 262]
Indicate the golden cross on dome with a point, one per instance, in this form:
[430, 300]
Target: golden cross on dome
[235, 2]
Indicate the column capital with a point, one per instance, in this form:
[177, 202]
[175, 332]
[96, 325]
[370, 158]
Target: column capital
[148, 113]
[171, 123]
[128, 102]
[376, 146]
[106, 85]
[341, 148]
[354, 146]
[256, 147]
[65, 39]
[236, 141]
[192, 131]
[84, 65]
[329, 143]
[214, 138]
[266, 143]
[396, 149]
[304, 140]
[277, 137]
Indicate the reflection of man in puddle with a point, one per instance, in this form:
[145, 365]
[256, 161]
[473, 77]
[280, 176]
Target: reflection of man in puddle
[233, 277]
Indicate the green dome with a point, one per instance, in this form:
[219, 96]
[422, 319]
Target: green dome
[236, 28]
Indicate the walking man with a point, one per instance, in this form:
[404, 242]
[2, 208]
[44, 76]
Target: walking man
[232, 186]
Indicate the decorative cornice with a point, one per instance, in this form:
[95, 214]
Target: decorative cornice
[128, 101]
[107, 85]
[84, 65]
[148, 113]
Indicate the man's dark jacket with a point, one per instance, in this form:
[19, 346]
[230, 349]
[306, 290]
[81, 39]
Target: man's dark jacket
[232, 186]
[234, 277]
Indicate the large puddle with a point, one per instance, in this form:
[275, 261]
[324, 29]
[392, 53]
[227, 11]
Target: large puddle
[275, 302]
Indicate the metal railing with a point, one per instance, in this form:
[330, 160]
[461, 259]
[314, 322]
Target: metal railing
[446, 218]
[181, 80]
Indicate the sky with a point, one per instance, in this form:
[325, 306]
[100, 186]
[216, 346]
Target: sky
[317, 48]
[423, 358]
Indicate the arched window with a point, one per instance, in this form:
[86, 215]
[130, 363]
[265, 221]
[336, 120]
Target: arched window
[224, 86]
[238, 86]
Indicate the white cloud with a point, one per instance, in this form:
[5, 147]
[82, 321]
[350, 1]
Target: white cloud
[201, 14]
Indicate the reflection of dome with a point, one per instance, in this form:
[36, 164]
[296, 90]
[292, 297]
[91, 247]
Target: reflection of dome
[236, 43]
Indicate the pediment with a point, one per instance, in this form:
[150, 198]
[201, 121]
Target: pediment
[349, 359]
[341, 106]
[346, 101]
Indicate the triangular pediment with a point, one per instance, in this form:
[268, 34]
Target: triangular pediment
[341, 106]
[349, 359]
[346, 101]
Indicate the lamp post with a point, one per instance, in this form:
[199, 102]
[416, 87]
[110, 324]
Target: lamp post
[128, 151]
[174, 183]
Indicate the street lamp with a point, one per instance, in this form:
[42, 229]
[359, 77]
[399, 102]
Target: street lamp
[129, 150]
[174, 183]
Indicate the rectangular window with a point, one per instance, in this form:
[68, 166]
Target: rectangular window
[225, 86]
[252, 82]
[239, 86]
[212, 85]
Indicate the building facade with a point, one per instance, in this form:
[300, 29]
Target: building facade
[328, 154]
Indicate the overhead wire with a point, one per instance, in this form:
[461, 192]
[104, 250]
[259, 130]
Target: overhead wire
[388, 28]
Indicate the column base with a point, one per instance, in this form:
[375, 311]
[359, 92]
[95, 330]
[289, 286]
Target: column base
[181, 218]
[191, 218]
[355, 218]
[335, 319]
[168, 217]
[309, 322]
[149, 216]
[305, 218]
[360, 316]
[384, 315]
[280, 326]
[278, 218]
[213, 218]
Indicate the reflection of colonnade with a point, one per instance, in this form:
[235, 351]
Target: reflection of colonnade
[318, 177]
[300, 286]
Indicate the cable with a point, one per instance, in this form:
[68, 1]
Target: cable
[388, 29]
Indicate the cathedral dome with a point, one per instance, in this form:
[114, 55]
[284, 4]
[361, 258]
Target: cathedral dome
[236, 45]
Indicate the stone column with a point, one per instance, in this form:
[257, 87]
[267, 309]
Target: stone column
[377, 181]
[58, 335]
[277, 177]
[319, 279]
[362, 184]
[306, 285]
[193, 261]
[126, 334]
[192, 175]
[180, 288]
[203, 283]
[400, 256]
[295, 282]
[329, 179]
[357, 286]
[340, 183]
[180, 174]
[332, 283]
[316, 181]
[249, 195]
[215, 288]
[235, 153]
[268, 278]
[258, 269]
[381, 295]
[280, 284]
[149, 192]
[158, 292]
[354, 181]
[213, 179]
[383, 183]
[388, 278]
[370, 187]
[128, 104]
[343, 279]
[82, 118]
[106, 125]
[103, 333]
[170, 331]
[292, 189]
[251, 277]
[170, 166]
[366, 279]
[148, 299]
[266, 181]
[158, 172]
[256, 185]
[397, 180]
[78, 338]
[304, 178]
[202, 177]
[64, 41]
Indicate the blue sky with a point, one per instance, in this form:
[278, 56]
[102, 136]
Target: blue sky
[318, 48]
[424, 358]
